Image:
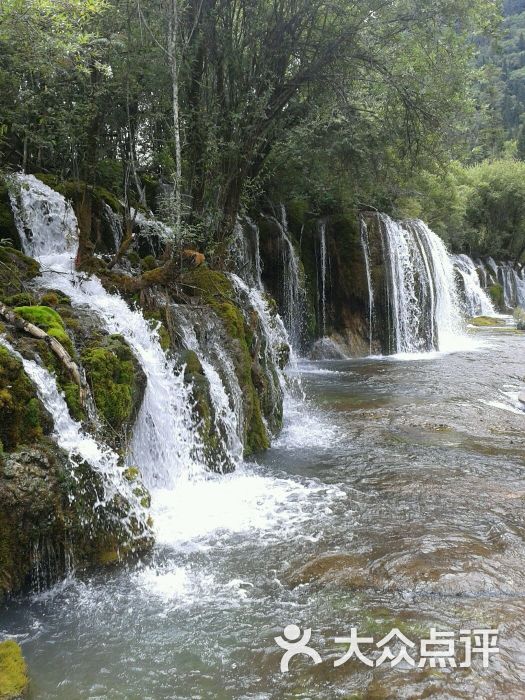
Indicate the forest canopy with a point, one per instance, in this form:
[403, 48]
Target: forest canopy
[224, 102]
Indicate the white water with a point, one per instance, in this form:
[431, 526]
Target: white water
[228, 415]
[477, 301]
[293, 292]
[72, 438]
[188, 501]
[164, 444]
[323, 262]
[115, 223]
[245, 251]
[365, 245]
[422, 294]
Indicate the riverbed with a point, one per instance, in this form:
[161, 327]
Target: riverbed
[394, 498]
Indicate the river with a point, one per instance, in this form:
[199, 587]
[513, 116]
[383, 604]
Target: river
[395, 498]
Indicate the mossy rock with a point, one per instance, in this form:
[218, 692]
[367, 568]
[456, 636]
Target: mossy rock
[16, 271]
[485, 321]
[49, 321]
[111, 372]
[215, 289]
[50, 510]
[23, 418]
[497, 296]
[13, 671]
[8, 230]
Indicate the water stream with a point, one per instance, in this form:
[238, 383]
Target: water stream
[404, 472]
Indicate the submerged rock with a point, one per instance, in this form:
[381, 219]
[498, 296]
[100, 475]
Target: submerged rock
[327, 349]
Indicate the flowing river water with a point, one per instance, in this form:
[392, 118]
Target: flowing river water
[395, 498]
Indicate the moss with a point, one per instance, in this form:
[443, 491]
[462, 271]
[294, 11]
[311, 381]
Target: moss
[13, 671]
[110, 373]
[8, 228]
[497, 295]
[48, 320]
[22, 299]
[50, 299]
[149, 263]
[216, 290]
[23, 419]
[16, 270]
[481, 321]
[72, 397]
[159, 320]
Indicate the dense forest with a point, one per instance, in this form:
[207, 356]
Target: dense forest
[409, 107]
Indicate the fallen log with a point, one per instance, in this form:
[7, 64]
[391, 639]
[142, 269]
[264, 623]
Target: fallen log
[56, 347]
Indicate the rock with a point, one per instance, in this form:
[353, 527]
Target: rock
[485, 321]
[327, 349]
[48, 512]
[521, 397]
[13, 671]
[348, 570]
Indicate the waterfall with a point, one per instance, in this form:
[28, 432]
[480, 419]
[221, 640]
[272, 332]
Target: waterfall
[423, 305]
[245, 253]
[293, 293]
[476, 300]
[115, 224]
[165, 444]
[365, 245]
[323, 258]
[275, 334]
[219, 371]
[510, 279]
[72, 438]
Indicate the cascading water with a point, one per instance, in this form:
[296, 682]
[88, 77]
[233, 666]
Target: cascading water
[322, 281]
[72, 438]
[476, 300]
[115, 224]
[245, 252]
[424, 311]
[293, 297]
[365, 245]
[165, 444]
[228, 412]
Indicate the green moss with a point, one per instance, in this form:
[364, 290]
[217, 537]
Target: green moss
[216, 290]
[159, 319]
[50, 299]
[481, 321]
[22, 299]
[48, 320]
[22, 416]
[149, 263]
[72, 396]
[13, 671]
[16, 270]
[111, 376]
[497, 295]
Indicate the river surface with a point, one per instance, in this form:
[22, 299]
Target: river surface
[395, 498]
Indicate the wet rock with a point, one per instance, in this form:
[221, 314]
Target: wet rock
[327, 349]
[50, 514]
[346, 569]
